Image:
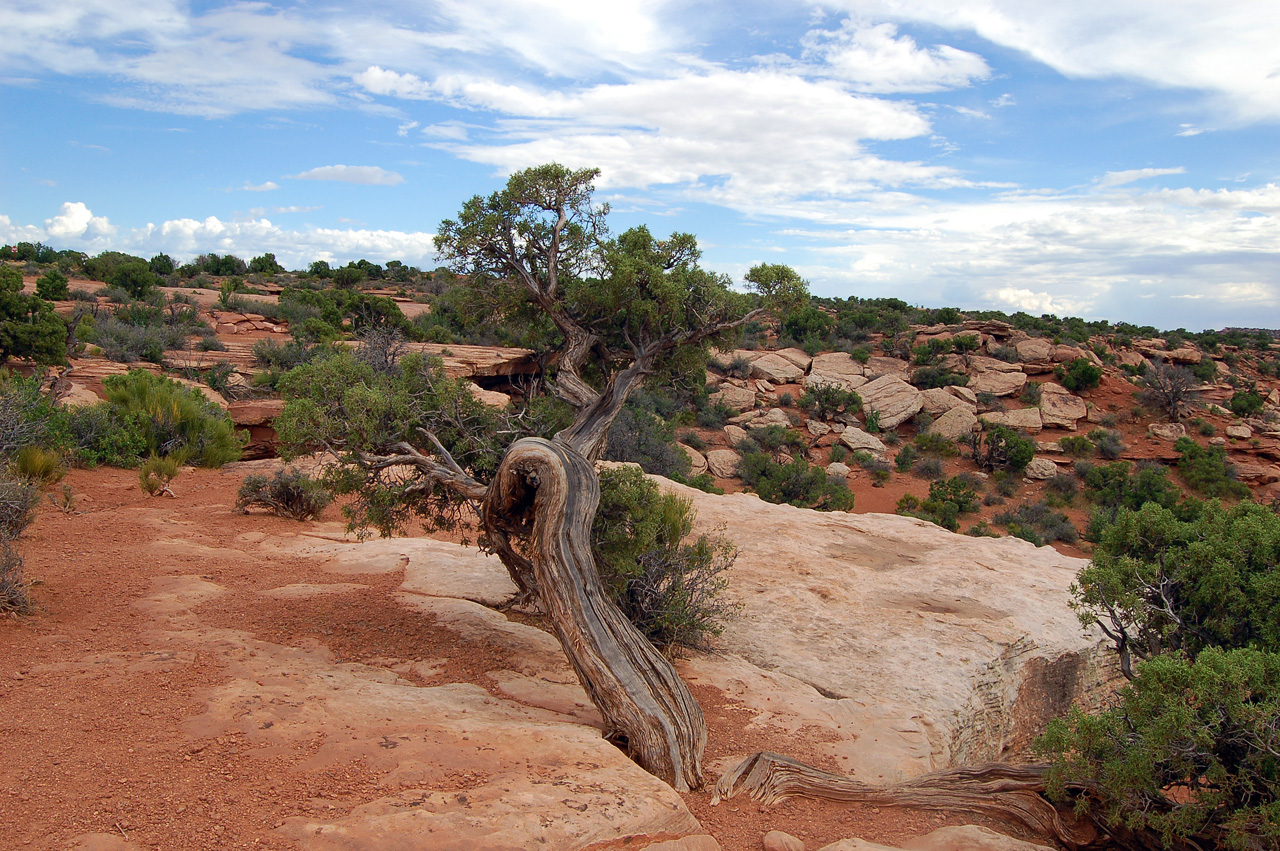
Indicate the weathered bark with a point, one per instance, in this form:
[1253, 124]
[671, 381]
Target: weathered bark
[1008, 793]
[548, 491]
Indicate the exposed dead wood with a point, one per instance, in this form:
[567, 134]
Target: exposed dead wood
[1009, 793]
[549, 491]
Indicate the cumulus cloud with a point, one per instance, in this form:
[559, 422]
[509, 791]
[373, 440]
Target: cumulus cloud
[874, 58]
[76, 222]
[260, 187]
[367, 175]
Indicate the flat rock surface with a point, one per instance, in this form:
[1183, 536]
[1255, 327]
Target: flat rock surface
[893, 399]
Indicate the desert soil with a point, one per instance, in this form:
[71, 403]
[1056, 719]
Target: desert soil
[105, 738]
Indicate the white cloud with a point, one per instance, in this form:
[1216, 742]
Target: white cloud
[1228, 50]
[874, 58]
[74, 222]
[261, 187]
[1119, 178]
[368, 175]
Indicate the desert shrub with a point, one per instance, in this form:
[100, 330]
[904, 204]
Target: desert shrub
[1107, 442]
[1076, 445]
[1008, 354]
[1203, 426]
[739, 367]
[873, 422]
[1246, 403]
[288, 493]
[52, 286]
[775, 438]
[1001, 448]
[1206, 470]
[786, 400]
[157, 473]
[1079, 375]
[126, 342]
[704, 482]
[937, 376]
[795, 483]
[928, 468]
[947, 500]
[826, 400]
[1039, 524]
[1031, 393]
[1005, 484]
[642, 437]
[173, 419]
[18, 501]
[101, 434]
[714, 415]
[839, 452]
[28, 326]
[1184, 752]
[1204, 371]
[667, 582]
[1063, 487]
[38, 465]
[210, 343]
[927, 353]
[936, 444]
[905, 458]
[1169, 389]
[693, 440]
[14, 594]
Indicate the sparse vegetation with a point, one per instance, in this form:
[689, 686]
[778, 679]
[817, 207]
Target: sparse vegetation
[287, 493]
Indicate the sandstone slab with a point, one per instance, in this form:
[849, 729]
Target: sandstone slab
[1059, 407]
[697, 461]
[936, 400]
[893, 399]
[774, 368]
[723, 463]
[998, 383]
[956, 423]
[1169, 432]
[737, 398]
[1041, 469]
[1025, 419]
[799, 357]
[878, 367]
[860, 441]
[838, 368]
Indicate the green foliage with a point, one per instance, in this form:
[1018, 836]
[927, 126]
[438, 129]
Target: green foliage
[157, 473]
[794, 483]
[173, 420]
[936, 376]
[824, 401]
[947, 500]
[927, 353]
[1246, 403]
[288, 493]
[1080, 375]
[38, 465]
[134, 276]
[1158, 583]
[781, 288]
[265, 264]
[1188, 751]
[643, 437]
[1038, 523]
[28, 326]
[1076, 445]
[52, 286]
[1169, 389]
[1001, 448]
[18, 500]
[1206, 470]
[15, 596]
[162, 265]
[935, 444]
[1107, 442]
[906, 456]
[666, 581]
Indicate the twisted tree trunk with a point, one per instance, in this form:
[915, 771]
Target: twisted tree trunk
[548, 491]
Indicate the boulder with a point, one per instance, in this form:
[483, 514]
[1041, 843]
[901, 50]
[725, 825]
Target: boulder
[838, 470]
[723, 463]
[1256, 474]
[797, 356]
[858, 440]
[492, 398]
[776, 840]
[937, 400]
[956, 423]
[78, 395]
[1059, 407]
[969, 837]
[964, 394]
[936, 649]
[697, 461]
[1239, 432]
[1026, 419]
[1167, 431]
[253, 412]
[816, 428]
[1128, 358]
[775, 416]
[763, 386]
[1066, 354]
[838, 368]
[735, 434]
[776, 369]
[979, 363]
[893, 399]
[1041, 468]
[998, 383]
[738, 398]
[878, 367]
[1034, 349]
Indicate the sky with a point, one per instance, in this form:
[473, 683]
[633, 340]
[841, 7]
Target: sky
[1112, 160]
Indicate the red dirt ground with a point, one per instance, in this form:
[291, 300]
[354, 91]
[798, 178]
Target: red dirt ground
[92, 746]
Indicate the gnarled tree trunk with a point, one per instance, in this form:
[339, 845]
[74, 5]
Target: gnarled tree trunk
[548, 491]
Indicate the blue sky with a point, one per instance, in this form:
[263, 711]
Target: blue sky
[1110, 159]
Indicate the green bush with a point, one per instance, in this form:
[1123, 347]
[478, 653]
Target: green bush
[1206, 470]
[1080, 375]
[1246, 403]
[15, 596]
[1107, 442]
[947, 500]
[905, 458]
[937, 376]
[1187, 752]
[824, 401]
[795, 483]
[28, 326]
[156, 474]
[18, 501]
[1001, 448]
[1039, 524]
[38, 465]
[52, 286]
[667, 582]
[173, 419]
[288, 493]
[644, 438]
[1076, 445]
[936, 444]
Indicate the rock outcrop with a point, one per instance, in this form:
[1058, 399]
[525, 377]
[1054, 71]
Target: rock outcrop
[955, 423]
[894, 400]
[1059, 407]
[838, 368]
